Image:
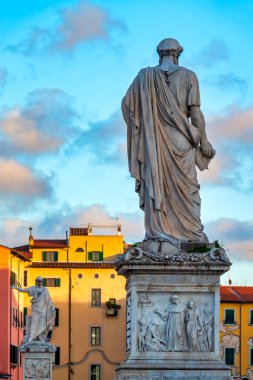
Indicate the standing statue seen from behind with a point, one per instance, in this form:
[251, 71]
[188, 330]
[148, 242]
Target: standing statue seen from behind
[166, 139]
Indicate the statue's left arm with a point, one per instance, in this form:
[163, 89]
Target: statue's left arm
[197, 119]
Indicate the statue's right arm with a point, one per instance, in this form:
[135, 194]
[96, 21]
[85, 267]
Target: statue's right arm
[25, 290]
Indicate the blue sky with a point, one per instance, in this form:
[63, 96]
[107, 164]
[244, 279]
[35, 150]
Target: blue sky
[65, 66]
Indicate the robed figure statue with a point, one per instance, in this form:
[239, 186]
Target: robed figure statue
[166, 138]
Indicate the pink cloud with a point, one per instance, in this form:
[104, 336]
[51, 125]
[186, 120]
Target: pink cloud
[17, 179]
[236, 124]
[24, 135]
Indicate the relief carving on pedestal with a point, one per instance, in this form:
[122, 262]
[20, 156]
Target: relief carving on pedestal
[37, 368]
[188, 326]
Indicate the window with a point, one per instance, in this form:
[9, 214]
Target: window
[25, 314]
[230, 356]
[95, 256]
[14, 354]
[13, 278]
[95, 336]
[95, 372]
[79, 249]
[25, 277]
[56, 317]
[49, 256]
[95, 297]
[229, 317]
[251, 317]
[57, 357]
[251, 356]
[52, 282]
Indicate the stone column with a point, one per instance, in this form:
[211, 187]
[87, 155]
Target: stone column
[173, 303]
[37, 360]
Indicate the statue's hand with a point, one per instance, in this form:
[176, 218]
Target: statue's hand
[13, 287]
[207, 148]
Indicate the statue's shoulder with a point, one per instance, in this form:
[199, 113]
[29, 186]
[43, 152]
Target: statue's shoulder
[186, 72]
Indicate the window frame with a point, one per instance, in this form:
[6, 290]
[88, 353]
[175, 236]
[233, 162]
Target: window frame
[57, 356]
[90, 371]
[250, 317]
[100, 298]
[14, 357]
[49, 256]
[95, 256]
[99, 336]
[57, 282]
[229, 348]
[229, 309]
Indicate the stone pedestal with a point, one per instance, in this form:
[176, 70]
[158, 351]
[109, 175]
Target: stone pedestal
[173, 304]
[37, 360]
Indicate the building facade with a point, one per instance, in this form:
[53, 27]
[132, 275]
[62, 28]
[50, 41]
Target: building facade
[236, 329]
[89, 299]
[12, 271]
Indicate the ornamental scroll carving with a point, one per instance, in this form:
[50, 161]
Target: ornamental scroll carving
[181, 326]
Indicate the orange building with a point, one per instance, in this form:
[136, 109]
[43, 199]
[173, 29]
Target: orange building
[12, 271]
[236, 329]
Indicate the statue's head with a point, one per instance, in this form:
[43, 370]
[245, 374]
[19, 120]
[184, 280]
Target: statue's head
[39, 281]
[175, 299]
[169, 46]
[190, 304]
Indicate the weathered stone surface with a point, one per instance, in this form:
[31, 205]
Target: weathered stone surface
[37, 360]
[173, 315]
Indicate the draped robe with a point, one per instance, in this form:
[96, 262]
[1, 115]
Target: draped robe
[161, 143]
[43, 312]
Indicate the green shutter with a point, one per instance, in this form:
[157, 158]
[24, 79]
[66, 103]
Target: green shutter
[230, 356]
[251, 317]
[57, 282]
[100, 256]
[44, 283]
[56, 256]
[89, 256]
[44, 256]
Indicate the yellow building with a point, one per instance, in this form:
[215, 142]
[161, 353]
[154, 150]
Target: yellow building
[236, 329]
[90, 300]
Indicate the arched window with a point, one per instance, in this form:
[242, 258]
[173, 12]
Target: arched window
[79, 250]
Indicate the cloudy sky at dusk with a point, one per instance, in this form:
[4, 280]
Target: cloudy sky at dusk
[65, 66]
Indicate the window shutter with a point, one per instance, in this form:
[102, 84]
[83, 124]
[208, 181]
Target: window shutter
[57, 356]
[44, 256]
[44, 282]
[90, 256]
[56, 256]
[57, 282]
[100, 256]
[251, 317]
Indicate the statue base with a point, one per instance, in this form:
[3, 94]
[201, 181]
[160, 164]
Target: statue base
[37, 359]
[173, 304]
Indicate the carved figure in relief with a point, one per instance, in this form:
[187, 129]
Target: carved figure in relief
[175, 325]
[193, 327]
[142, 336]
[153, 340]
[41, 321]
[207, 322]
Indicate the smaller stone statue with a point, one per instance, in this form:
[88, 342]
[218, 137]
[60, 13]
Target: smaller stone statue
[42, 319]
[207, 321]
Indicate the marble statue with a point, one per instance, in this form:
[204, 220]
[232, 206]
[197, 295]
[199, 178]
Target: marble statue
[175, 327]
[41, 321]
[166, 137]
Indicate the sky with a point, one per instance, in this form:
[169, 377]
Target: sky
[65, 66]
